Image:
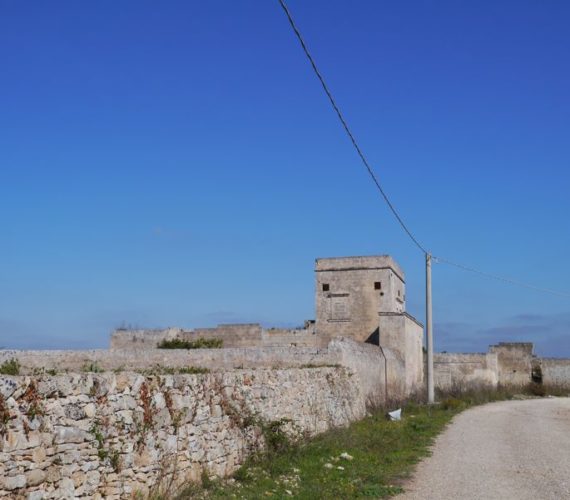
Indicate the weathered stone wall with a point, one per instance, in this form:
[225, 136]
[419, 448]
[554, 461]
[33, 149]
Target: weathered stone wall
[365, 359]
[381, 372]
[404, 335]
[509, 364]
[125, 359]
[555, 371]
[514, 361]
[462, 371]
[111, 435]
[351, 291]
[232, 336]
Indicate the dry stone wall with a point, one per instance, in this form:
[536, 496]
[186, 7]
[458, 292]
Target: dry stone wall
[113, 434]
[125, 359]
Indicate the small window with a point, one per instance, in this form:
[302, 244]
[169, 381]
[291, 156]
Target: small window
[377, 285]
[399, 293]
[325, 287]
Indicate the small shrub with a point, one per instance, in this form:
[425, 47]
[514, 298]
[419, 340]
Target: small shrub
[451, 404]
[193, 370]
[168, 370]
[241, 474]
[115, 460]
[205, 479]
[92, 367]
[10, 367]
[4, 415]
[191, 344]
[276, 438]
[535, 389]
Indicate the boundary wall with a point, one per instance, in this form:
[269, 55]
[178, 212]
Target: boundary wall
[232, 335]
[381, 371]
[113, 435]
[508, 364]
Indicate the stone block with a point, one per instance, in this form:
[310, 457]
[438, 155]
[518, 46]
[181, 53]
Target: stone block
[35, 477]
[7, 386]
[14, 482]
[70, 435]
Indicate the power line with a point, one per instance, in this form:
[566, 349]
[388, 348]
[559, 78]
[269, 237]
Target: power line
[377, 182]
[347, 129]
[501, 278]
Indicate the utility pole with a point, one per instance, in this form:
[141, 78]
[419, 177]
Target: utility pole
[429, 332]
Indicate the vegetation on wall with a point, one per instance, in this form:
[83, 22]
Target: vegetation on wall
[10, 367]
[191, 344]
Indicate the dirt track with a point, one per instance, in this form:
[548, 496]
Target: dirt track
[508, 450]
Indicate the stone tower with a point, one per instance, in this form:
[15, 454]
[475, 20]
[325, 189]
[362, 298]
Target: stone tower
[364, 298]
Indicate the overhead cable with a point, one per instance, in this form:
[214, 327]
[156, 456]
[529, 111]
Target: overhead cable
[501, 278]
[347, 129]
[377, 182]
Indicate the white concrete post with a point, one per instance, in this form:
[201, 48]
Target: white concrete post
[429, 333]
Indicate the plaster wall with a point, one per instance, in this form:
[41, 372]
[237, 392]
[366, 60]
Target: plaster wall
[465, 371]
[404, 335]
[555, 371]
[381, 372]
[514, 360]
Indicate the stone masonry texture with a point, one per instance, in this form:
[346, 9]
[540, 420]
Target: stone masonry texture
[110, 435]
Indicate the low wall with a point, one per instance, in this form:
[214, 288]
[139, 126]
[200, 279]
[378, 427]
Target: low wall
[464, 370]
[509, 364]
[111, 435]
[232, 336]
[126, 359]
[380, 371]
[555, 371]
[368, 361]
[514, 362]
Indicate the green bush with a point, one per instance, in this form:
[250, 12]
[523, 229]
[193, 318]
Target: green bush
[10, 367]
[191, 344]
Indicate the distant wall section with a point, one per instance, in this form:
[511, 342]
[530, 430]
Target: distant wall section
[232, 336]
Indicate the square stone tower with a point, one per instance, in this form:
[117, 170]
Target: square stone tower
[364, 298]
[351, 293]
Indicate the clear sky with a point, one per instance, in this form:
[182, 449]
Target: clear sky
[177, 164]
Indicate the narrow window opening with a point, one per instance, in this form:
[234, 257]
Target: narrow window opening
[325, 287]
[377, 285]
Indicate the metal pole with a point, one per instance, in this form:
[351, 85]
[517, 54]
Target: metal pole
[429, 332]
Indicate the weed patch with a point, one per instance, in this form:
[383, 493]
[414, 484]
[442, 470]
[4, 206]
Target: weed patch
[191, 344]
[10, 367]
[370, 458]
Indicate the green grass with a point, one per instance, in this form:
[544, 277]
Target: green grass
[383, 454]
[191, 344]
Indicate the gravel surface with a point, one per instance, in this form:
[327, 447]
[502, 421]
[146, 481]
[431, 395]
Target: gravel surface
[508, 450]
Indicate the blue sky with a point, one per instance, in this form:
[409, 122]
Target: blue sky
[178, 164]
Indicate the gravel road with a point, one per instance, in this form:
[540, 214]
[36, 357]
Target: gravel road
[508, 450]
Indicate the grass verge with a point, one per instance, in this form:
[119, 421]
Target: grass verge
[369, 459]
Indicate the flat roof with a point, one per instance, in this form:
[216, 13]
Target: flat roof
[355, 263]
